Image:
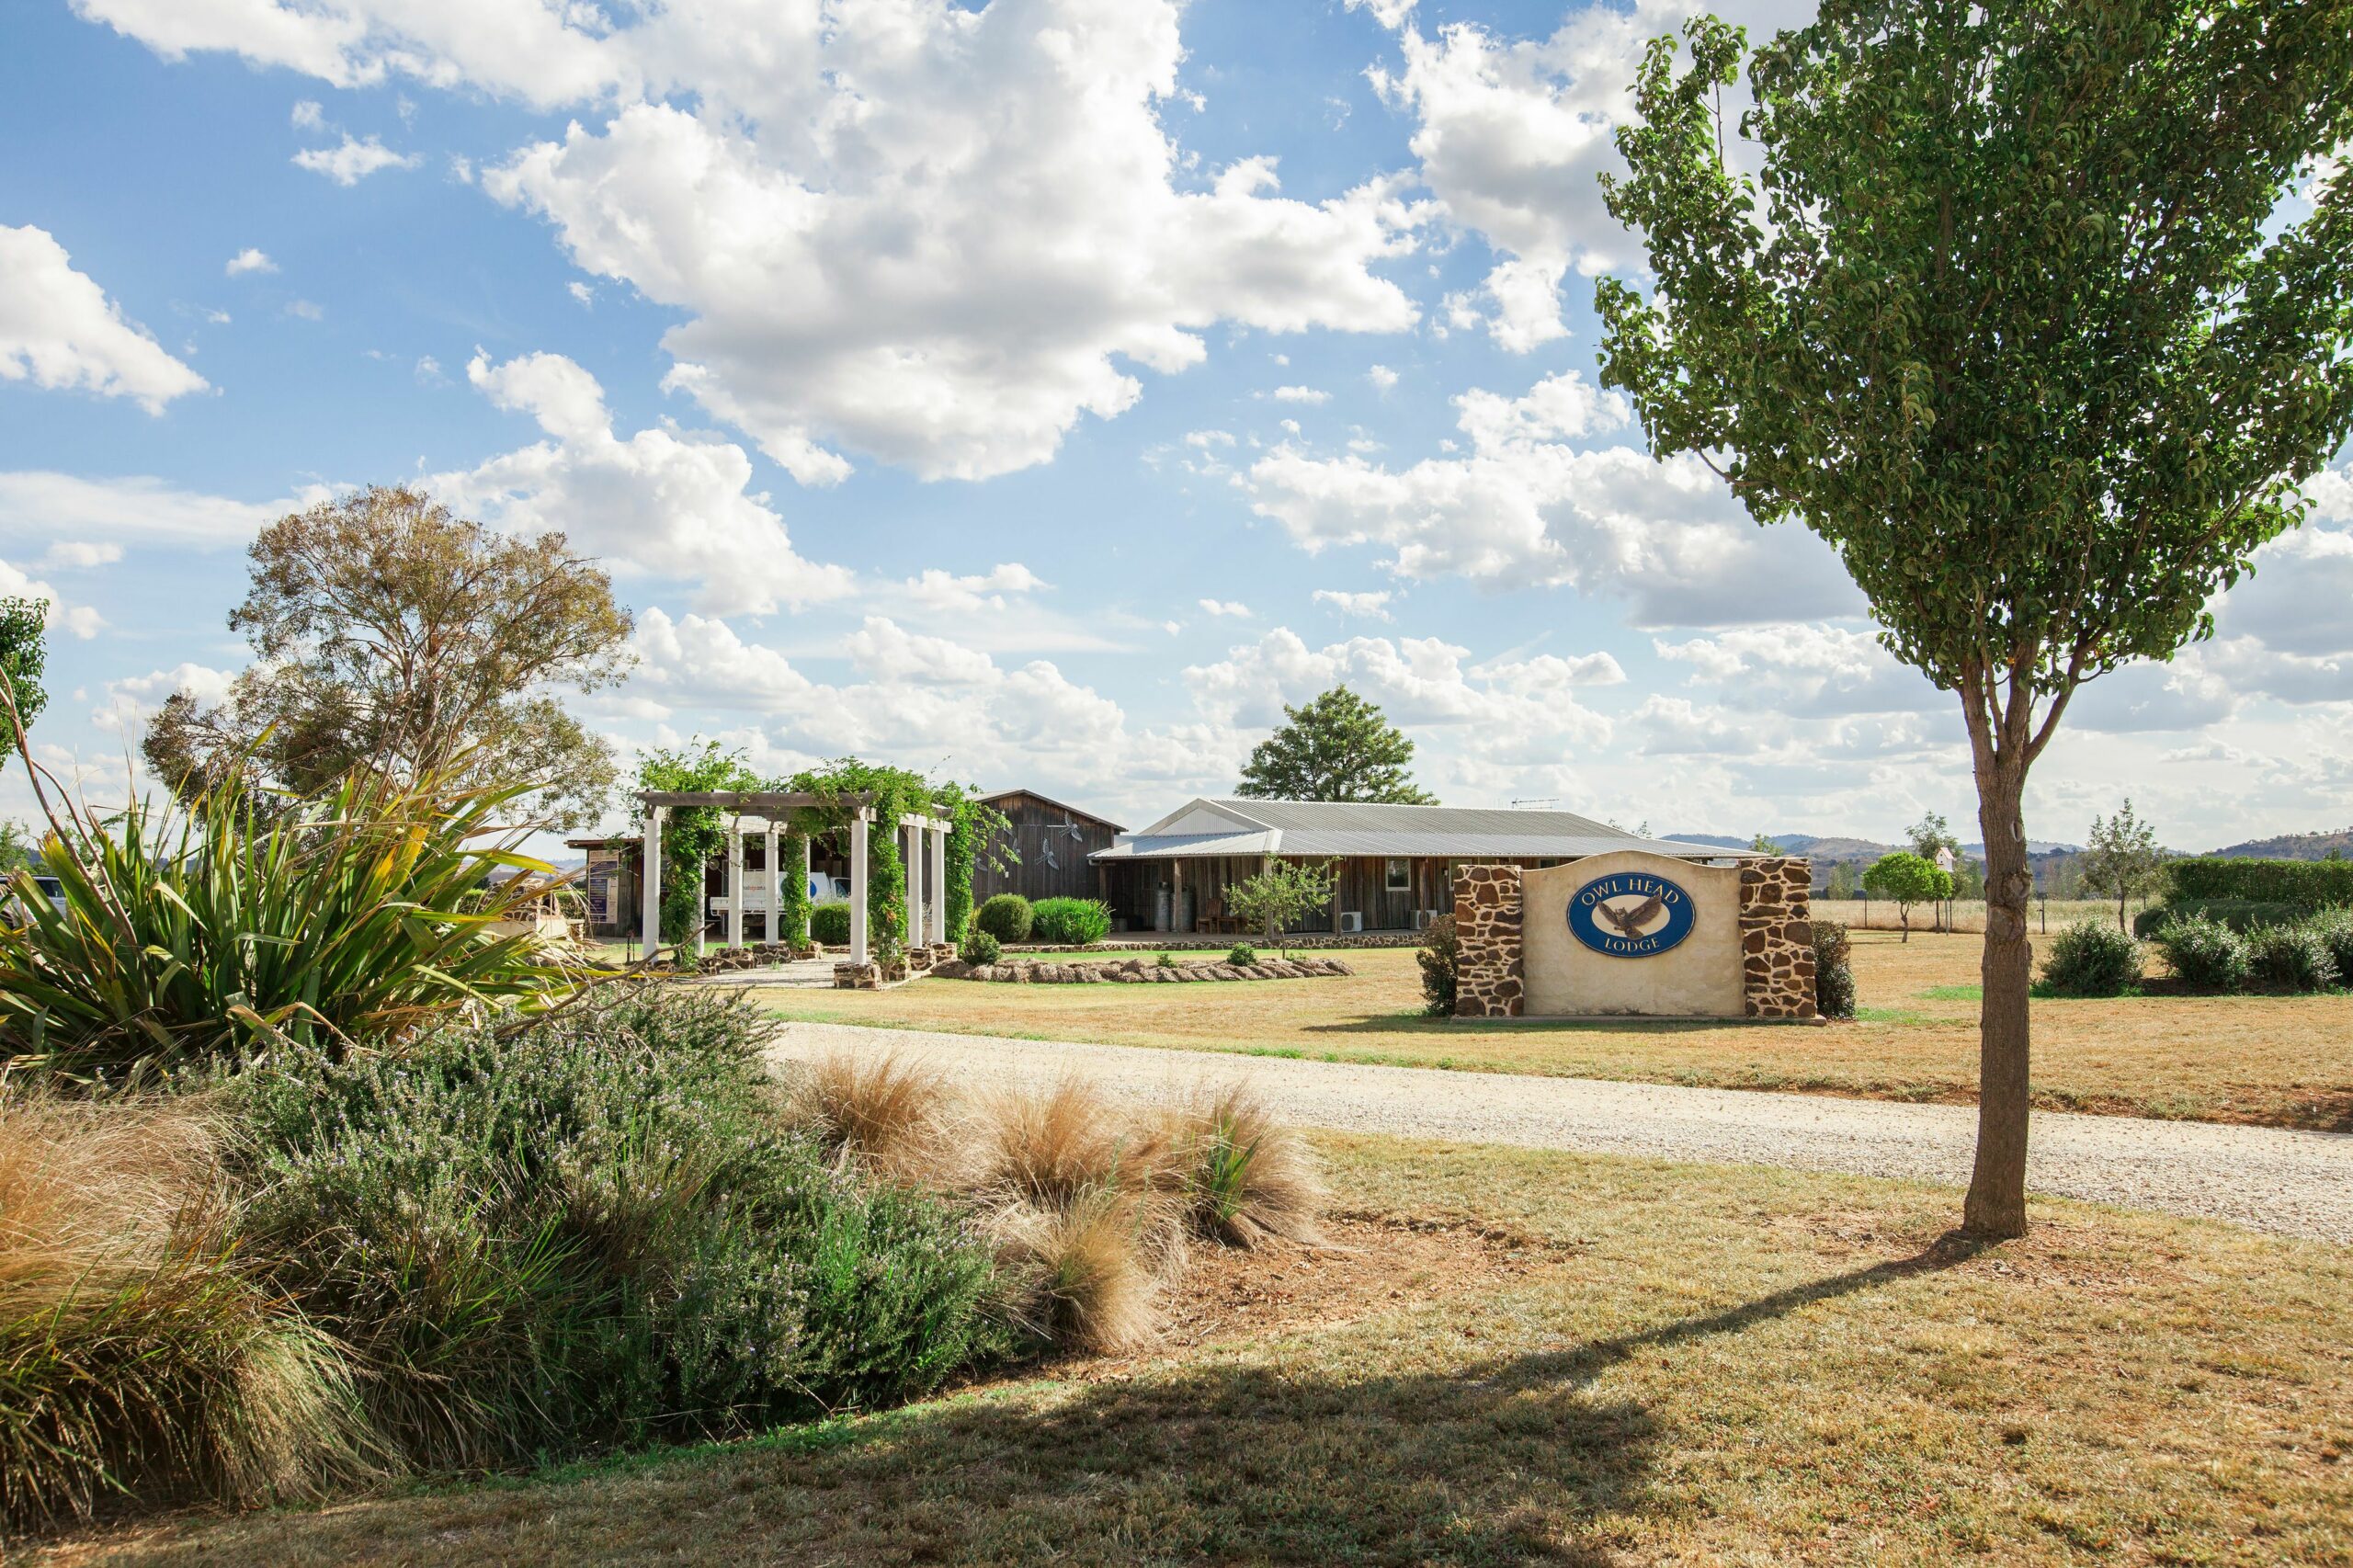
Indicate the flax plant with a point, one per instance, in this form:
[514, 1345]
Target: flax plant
[203, 931]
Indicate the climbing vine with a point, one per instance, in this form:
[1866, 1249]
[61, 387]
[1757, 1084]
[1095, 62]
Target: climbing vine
[692, 835]
[792, 913]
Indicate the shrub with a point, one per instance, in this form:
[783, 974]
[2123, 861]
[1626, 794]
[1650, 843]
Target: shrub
[1070, 922]
[2092, 958]
[201, 930]
[2335, 928]
[1439, 954]
[979, 948]
[596, 1230]
[1833, 970]
[1080, 1278]
[1166, 961]
[1007, 917]
[2291, 958]
[829, 923]
[2239, 915]
[141, 1349]
[2204, 954]
[2309, 884]
[1242, 955]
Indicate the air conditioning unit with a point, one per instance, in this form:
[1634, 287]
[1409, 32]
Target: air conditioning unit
[1352, 922]
[1422, 918]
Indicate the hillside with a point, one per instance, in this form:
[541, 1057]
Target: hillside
[2295, 845]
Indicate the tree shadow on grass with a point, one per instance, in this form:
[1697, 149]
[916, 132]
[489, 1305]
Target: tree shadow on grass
[1501, 1459]
[1434, 1027]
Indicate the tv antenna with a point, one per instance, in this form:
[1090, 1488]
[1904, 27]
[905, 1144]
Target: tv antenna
[1545, 800]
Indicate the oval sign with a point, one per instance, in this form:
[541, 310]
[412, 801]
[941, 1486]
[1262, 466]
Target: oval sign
[1631, 914]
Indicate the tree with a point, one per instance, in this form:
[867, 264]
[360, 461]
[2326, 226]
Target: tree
[24, 651]
[1845, 880]
[391, 635]
[1765, 846]
[1338, 748]
[1904, 879]
[1930, 833]
[2015, 318]
[1274, 901]
[2122, 857]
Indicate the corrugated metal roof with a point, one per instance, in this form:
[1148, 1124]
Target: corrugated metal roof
[1317, 828]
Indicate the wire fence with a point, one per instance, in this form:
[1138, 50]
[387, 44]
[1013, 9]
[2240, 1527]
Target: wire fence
[1963, 914]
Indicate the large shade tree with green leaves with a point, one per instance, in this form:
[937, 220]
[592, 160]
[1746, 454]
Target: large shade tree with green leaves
[1337, 747]
[2038, 314]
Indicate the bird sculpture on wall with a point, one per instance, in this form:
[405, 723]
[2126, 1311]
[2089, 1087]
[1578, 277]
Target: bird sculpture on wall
[1630, 922]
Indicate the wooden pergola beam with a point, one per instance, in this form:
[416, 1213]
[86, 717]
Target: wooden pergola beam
[760, 801]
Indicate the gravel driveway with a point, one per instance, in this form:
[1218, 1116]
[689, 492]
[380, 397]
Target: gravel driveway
[2297, 1184]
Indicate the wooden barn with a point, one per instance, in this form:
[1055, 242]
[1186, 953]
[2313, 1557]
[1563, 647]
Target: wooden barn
[1394, 864]
[1054, 843]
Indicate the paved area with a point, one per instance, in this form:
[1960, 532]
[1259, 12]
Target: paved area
[2296, 1184]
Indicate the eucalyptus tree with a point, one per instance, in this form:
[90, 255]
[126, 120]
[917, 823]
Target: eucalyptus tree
[2039, 313]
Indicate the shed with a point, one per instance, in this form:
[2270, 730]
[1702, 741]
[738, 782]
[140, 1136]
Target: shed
[1054, 843]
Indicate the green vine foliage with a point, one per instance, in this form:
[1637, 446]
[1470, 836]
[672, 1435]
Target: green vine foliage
[693, 834]
[792, 912]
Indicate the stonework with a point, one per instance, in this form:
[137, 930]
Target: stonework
[1776, 941]
[1488, 979]
[857, 977]
[1777, 938]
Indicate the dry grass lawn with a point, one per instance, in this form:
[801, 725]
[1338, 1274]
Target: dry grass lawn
[1524, 1354]
[2281, 1061]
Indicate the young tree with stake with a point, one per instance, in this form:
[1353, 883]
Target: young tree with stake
[2122, 857]
[2014, 317]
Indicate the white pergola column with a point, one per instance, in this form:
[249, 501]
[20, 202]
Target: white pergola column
[939, 836]
[775, 850]
[735, 883]
[858, 829]
[650, 866]
[911, 852]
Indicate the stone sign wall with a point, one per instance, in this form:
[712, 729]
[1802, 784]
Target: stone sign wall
[1636, 935]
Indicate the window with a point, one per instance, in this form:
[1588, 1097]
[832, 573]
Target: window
[1401, 875]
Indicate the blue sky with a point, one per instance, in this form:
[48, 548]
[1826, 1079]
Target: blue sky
[1042, 393]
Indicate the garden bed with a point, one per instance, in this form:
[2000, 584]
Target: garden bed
[1134, 971]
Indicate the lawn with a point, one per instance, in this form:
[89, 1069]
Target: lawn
[2282, 1060]
[1531, 1355]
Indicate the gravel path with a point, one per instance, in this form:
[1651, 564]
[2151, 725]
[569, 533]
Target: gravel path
[2297, 1184]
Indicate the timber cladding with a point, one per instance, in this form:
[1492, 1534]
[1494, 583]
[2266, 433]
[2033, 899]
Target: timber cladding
[1052, 841]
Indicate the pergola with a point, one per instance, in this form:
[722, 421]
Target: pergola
[923, 840]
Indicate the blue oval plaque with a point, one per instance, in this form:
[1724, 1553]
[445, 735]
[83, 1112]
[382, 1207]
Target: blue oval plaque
[1630, 915]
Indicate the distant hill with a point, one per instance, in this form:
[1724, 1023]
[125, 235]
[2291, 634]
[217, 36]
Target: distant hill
[1829, 849]
[2294, 845]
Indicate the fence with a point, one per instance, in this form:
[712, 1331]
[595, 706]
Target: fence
[1962, 914]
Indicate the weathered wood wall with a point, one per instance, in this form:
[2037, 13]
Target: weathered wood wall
[1052, 844]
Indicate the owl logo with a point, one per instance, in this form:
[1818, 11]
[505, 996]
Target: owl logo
[1630, 923]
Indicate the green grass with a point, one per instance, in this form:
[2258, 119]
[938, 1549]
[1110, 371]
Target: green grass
[1530, 1355]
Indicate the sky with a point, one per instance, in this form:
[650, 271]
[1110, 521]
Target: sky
[1040, 394]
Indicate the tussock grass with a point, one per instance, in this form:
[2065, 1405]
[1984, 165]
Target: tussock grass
[884, 1111]
[1245, 1176]
[1082, 1272]
[142, 1351]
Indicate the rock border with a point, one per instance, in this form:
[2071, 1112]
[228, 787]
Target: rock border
[1135, 972]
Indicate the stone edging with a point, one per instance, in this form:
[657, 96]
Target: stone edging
[1193, 941]
[1136, 972]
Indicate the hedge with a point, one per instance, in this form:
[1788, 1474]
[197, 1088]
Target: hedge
[2239, 915]
[2309, 883]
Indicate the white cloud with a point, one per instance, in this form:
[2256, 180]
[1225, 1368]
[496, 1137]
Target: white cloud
[992, 590]
[1225, 607]
[668, 503]
[131, 701]
[307, 114]
[37, 506]
[1382, 377]
[1513, 134]
[1371, 605]
[58, 330]
[81, 555]
[1309, 396]
[354, 159]
[583, 292]
[1526, 507]
[249, 260]
[80, 620]
[306, 310]
[1205, 439]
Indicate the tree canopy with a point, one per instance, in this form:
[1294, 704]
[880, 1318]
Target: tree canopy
[2122, 857]
[2038, 312]
[1337, 748]
[1903, 879]
[389, 634]
[24, 651]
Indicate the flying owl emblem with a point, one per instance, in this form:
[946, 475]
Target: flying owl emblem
[1630, 922]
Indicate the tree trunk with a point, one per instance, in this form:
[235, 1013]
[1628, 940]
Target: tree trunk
[2120, 925]
[1996, 1202]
